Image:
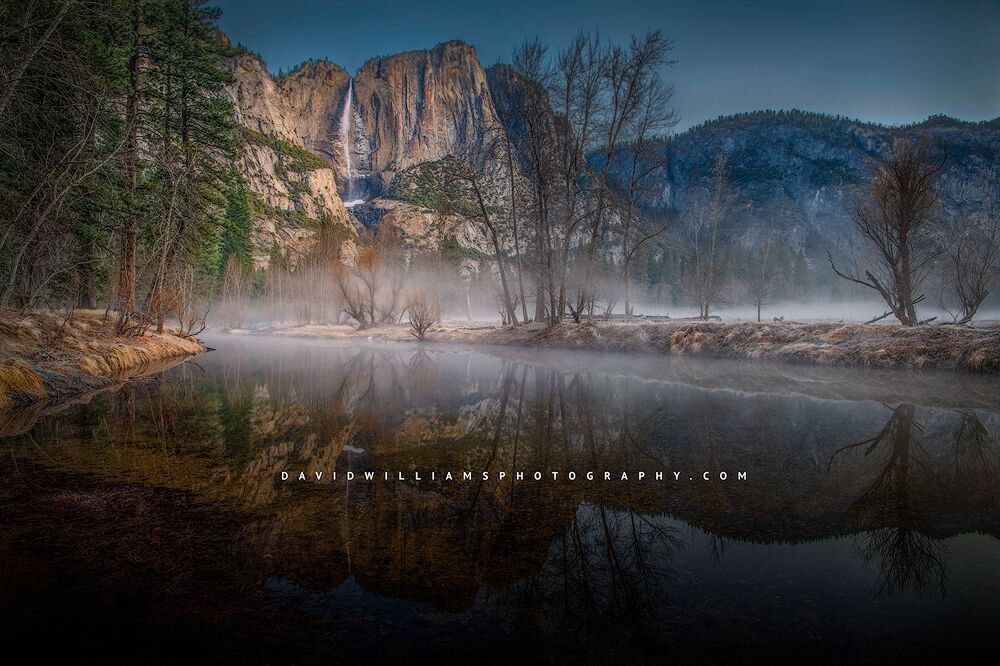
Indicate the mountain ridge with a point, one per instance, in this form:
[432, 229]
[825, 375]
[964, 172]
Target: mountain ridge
[791, 170]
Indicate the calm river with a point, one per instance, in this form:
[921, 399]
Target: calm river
[599, 509]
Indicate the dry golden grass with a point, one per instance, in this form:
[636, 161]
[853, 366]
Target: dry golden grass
[47, 355]
[18, 382]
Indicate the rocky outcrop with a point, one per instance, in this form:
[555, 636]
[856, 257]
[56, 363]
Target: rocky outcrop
[315, 95]
[423, 229]
[258, 103]
[421, 106]
[288, 161]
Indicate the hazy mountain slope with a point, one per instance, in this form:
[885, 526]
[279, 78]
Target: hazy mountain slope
[793, 172]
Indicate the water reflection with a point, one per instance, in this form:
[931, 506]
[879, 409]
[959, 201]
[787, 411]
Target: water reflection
[599, 568]
[906, 486]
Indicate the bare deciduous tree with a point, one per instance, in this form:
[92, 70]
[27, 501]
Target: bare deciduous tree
[762, 275]
[704, 219]
[423, 311]
[483, 200]
[371, 287]
[644, 160]
[236, 286]
[632, 89]
[973, 256]
[191, 314]
[895, 219]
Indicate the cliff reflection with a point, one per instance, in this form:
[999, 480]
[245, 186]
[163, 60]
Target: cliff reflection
[580, 559]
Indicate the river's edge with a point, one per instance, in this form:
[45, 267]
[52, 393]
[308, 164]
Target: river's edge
[47, 357]
[975, 349]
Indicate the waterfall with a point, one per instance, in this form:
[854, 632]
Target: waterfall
[345, 130]
[345, 141]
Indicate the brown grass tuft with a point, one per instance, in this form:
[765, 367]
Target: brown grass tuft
[52, 356]
[19, 382]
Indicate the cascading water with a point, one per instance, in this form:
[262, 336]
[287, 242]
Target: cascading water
[345, 141]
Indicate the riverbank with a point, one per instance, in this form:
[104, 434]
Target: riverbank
[975, 349]
[46, 356]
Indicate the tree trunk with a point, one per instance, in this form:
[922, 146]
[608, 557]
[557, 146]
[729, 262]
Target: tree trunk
[628, 293]
[130, 241]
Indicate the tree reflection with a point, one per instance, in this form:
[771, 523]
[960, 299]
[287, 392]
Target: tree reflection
[889, 508]
[591, 561]
[975, 468]
[605, 583]
[895, 506]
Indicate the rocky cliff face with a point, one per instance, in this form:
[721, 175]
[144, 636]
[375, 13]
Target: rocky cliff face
[420, 106]
[405, 109]
[315, 94]
[257, 100]
[288, 161]
[314, 139]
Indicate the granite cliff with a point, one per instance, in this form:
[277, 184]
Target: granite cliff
[317, 137]
[293, 181]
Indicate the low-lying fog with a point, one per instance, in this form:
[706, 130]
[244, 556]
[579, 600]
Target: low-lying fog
[841, 311]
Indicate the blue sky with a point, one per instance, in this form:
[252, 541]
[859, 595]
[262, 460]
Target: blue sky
[891, 61]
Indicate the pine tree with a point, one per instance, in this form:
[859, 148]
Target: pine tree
[236, 240]
[120, 146]
[197, 142]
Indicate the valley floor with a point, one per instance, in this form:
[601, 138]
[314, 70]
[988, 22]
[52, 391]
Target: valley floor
[48, 356]
[833, 344]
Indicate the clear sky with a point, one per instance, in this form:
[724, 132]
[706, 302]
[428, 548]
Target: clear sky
[889, 61]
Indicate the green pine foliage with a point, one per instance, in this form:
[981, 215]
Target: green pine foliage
[67, 150]
[427, 185]
[236, 236]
